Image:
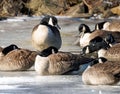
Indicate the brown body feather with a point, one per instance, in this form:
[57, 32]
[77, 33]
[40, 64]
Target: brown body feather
[101, 33]
[112, 54]
[35, 28]
[113, 26]
[102, 74]
[59, 63]
[17, 60]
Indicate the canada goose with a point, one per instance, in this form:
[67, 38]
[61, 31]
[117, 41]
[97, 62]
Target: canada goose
[88, 35]
[105, 73]
[112, 26]
[58, 63]
[112, 53]
[46, 34]
[13, 58]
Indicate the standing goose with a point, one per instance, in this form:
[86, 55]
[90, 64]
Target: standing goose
[105, 73]
[52, 62]
[13, 58]
[88, 35]
[46, 34]
[112, 26]
[104, 49]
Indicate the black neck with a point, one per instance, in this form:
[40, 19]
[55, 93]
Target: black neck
[48, 51]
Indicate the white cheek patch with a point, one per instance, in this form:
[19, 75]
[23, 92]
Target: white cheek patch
[87, 50]
[97, 28]
[84, 29]
[50, 22]
[100, 61]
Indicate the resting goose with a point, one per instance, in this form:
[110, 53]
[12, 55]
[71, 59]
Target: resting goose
[103, 48]
[102, 73]
[88, 35]
[58, 63]
[13, 58]
[112, 26]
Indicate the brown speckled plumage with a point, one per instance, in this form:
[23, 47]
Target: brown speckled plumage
[59, 63]
[112, 54]
[113, 26]
[17, 60]
[103, 34]
[102, 74]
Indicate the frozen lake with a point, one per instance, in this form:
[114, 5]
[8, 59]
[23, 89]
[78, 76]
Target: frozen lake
[18, 31]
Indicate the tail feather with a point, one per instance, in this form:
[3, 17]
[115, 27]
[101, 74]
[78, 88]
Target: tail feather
[117, 75]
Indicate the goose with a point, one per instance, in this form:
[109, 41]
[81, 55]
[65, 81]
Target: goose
[13, 58]
[102, 73]
[46, 34]
[88, 35]
[103, 48]
[112, 26]
[57, 62]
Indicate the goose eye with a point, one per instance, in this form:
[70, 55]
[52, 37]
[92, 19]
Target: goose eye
[93, 45]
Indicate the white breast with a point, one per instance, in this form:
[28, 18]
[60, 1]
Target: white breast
[41, 65]
[84, 40]
[41, 34]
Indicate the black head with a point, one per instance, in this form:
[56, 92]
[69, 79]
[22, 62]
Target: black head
[9, 48]
[45, 20]
[98, 60]
[84, 28]
[85, 50]
[92, 63]
[48, 51]
[50, 20]
[99, 43]
[102, 60]
[110, 39]
[96, 40]
[94, 45]
[100, 25]
[88, 49]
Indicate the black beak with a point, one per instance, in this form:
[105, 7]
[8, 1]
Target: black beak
[57, 26]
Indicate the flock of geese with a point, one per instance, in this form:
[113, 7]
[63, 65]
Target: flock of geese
[48, 60]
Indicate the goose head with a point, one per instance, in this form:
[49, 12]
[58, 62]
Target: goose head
[94, 45]
[9, 48]
[100, 26]
[110, 39]
[50, 50]
[50, 20]
[83, 28]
